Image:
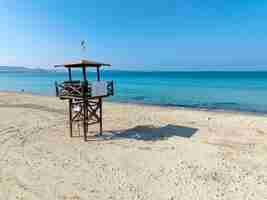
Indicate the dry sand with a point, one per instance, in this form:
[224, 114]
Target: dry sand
[149, 152]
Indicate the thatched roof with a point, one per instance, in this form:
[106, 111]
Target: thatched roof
[84, 63]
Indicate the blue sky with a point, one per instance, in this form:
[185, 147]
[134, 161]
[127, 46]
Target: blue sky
[136, 34]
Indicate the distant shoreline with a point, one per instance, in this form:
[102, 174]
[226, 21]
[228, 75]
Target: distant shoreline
[189, 69]
[178, 107]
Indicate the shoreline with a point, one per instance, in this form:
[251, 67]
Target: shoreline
[192, 108]
[177, 107]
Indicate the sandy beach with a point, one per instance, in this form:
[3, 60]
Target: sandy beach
[147, 152]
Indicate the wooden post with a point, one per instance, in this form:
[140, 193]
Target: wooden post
[70, 105]
[101, 120]
[69, 70]
[85, 123]
[85, 111]
[70, 116]
[85, 105]
[98, 74]
[84, 74]
[100, 106]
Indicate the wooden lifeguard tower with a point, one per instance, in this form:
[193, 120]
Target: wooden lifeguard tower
[85, 97]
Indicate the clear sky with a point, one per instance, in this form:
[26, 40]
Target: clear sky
[135, 34]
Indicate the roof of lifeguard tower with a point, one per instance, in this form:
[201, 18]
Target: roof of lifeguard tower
[84, 63]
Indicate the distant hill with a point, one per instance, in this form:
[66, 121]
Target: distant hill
[20, 69]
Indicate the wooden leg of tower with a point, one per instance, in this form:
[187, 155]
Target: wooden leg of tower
[86, 124]
[101, 119]
[85, 116]
[70, 116]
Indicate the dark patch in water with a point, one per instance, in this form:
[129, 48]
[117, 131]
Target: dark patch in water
[139, 98]
[220, 105]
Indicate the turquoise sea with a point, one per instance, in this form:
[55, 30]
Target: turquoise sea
[239, 91]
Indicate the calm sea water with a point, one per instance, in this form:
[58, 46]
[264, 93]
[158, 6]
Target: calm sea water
[242, 91]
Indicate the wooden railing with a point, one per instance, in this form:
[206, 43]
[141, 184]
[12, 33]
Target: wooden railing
[79, 89]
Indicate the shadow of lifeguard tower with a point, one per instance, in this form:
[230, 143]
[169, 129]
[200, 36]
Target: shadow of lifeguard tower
[85, 97]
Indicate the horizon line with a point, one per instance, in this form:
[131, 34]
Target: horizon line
[144, 70]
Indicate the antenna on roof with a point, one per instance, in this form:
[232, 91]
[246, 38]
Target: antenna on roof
[83, 48]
